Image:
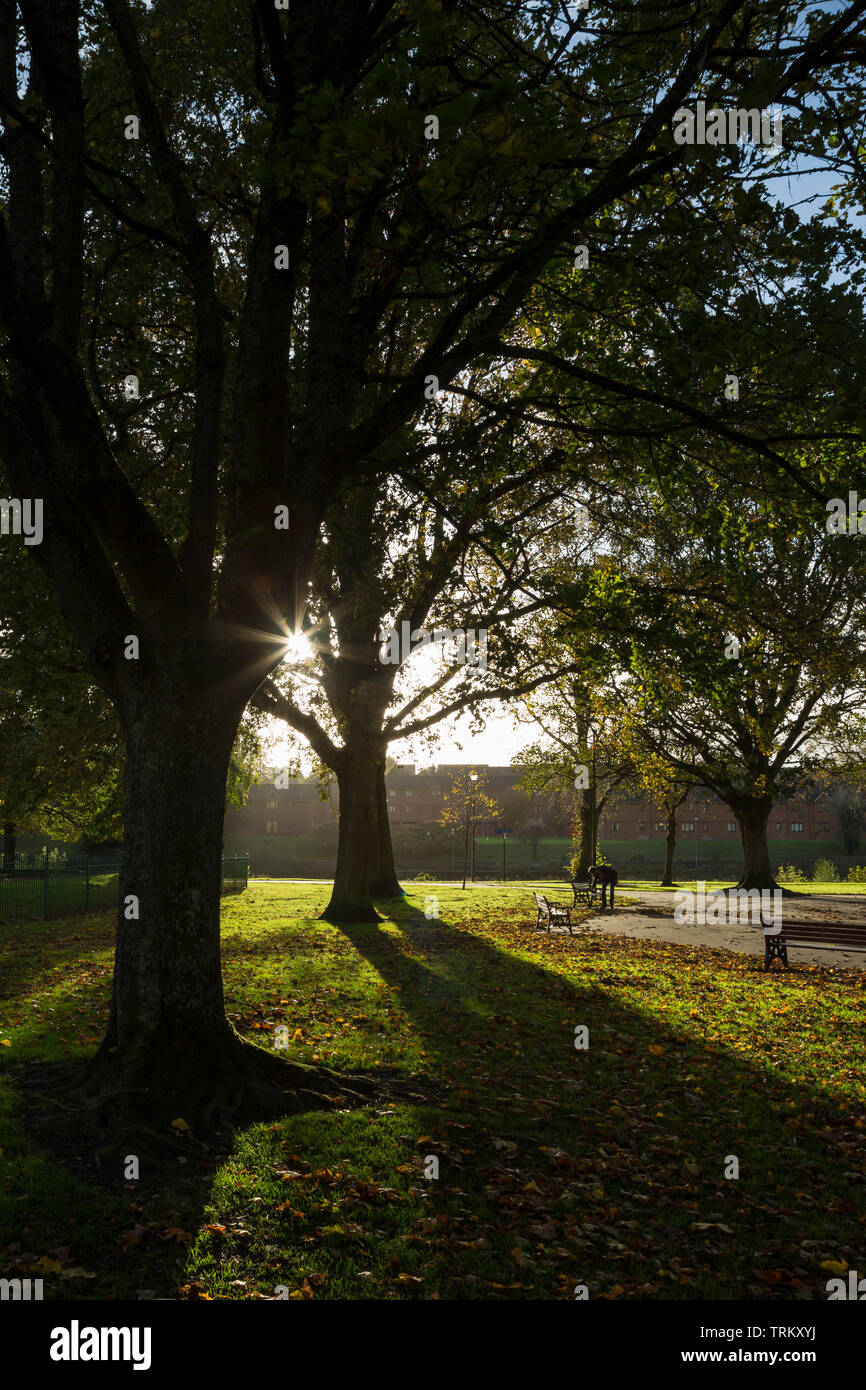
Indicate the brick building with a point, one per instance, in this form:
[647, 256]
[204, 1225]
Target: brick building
[704, 814]
[416, 798]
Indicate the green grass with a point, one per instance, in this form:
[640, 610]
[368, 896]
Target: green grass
[557, 1166]
[24, 898]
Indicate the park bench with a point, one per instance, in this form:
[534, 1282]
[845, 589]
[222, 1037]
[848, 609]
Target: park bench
[584, 894]
[552, 913]
[823, 936]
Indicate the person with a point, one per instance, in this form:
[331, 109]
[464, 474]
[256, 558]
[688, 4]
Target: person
[607, 876]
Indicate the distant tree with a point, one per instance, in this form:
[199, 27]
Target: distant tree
[744, 654]
[580, 761]
[466, 802]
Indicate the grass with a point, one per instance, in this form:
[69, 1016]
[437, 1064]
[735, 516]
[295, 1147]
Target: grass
[25, 897]
[557, 1166]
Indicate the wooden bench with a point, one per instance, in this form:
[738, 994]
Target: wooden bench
[822, 936]
[552, 913]
[584, 895]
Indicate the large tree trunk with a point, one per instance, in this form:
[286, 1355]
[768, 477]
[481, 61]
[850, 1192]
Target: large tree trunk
[357, 844]
[752, 817]
[670, 847]
[9, 841]
[585, 815]
[169, 1046]
[383, 881]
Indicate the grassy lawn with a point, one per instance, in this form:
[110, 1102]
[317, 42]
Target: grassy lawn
[26, 896]
[556, 1166]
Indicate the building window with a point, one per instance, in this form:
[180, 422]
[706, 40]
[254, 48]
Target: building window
[687, 825]
[659, 825]
[391, 808]
[706, 825]
[778, 825]
[410, 791]
[796, 826]
[270, 827]
[272, 804]
[732, 825]
[615, 826]
[825, 826]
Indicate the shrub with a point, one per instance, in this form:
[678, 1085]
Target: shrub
[825, 871]
[857, 874]
[789, 873]
[423, 878]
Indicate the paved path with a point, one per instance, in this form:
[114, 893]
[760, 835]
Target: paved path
[655, 918]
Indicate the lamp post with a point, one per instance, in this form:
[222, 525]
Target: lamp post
[473, 778]
[470, 817]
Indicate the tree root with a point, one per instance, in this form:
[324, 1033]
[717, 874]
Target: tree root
[164, 1102]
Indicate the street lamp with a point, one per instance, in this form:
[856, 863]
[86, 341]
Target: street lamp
[473, 778]
[470, 817]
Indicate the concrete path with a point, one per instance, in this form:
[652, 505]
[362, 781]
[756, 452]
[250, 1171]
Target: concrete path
[655, 918]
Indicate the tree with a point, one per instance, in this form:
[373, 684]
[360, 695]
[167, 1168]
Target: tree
[668, 791]
[241, 237]
[62, 767]
[850, 806]
[666, 788]
[581, 753]
[466, 802]
[732, 673]
[396, 579]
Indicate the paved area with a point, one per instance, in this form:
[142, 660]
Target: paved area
[655, 918]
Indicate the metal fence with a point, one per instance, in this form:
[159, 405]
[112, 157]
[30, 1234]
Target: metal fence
[50, 886]
[235, 874]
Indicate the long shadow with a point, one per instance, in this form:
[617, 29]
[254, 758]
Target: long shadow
[646, 1114]
[646, 1107]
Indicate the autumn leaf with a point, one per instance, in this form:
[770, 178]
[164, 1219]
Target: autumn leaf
[175, 1233]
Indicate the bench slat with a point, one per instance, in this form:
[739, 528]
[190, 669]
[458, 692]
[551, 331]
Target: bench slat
[823, 945]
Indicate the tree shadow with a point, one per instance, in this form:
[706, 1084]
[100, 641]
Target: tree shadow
[607, 1155]
[649, 1109]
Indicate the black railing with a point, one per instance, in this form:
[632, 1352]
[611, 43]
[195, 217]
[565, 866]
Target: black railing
[52, 886]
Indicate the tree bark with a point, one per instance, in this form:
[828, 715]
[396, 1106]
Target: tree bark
[752, 817]
[9, 841]
[168, 1045]
[358, 838]
[585, 836]
[670, 847]
[383, 881]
